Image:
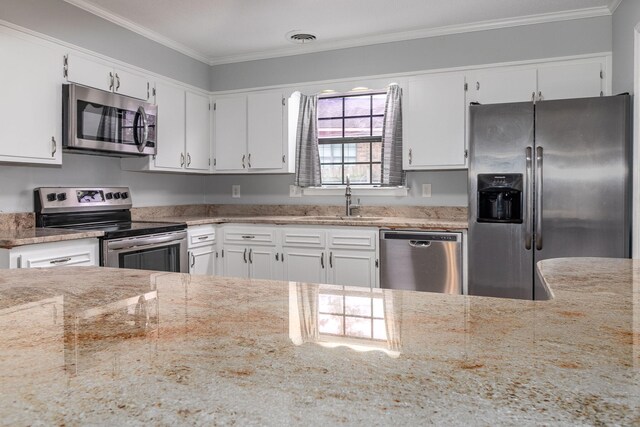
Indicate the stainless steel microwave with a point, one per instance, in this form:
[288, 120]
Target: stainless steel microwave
[107, 123]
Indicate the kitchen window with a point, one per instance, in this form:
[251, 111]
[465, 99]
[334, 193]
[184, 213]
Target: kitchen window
[350, 138]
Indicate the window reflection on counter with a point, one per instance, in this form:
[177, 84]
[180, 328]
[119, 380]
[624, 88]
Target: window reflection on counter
[332, 316]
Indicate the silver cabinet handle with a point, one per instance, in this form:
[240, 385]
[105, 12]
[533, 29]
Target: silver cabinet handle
[110, 81]
[60, 260]
[181, 159]
[203, 237]
[243, 157]
[331, 259]
[248, 236]
[54, 146]
[539, 169]
[540, 98]
[193, 259]
[410, 156]
[250, 256]
[322, 260]
[477, 85]
[282, 257]
[244, 255]
[188, 159]
[528, 188]
[533, 97]
[249, 160]
[118, 82]
[277, 256]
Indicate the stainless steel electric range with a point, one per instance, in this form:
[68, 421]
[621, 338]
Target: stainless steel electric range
[126, 243]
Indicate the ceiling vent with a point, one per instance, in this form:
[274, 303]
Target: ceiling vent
[300, 37]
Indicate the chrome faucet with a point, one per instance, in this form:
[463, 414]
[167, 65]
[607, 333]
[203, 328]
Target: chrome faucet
[347, 195]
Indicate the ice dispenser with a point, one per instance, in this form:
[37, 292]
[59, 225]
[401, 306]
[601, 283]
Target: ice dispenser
[500, 198]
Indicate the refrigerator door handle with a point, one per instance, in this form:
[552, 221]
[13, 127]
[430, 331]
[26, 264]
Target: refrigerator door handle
[539, 168]
[528, 186]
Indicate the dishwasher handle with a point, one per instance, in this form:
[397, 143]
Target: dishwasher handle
[419, 243]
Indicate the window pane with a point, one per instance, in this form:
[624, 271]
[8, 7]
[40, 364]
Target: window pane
[377, 174]
[363, 152]
[349, 153]
[358, 174]
[378, 103]
[376, 151]
[357, 127]
[360, 306]
[330, 153]
[357, 105]
[379, 330]
[378, 308]
[329, 107]
[328, 324]
[357, 327]
[330, 304]
[330, 128]
[377, 126]
[331, 174]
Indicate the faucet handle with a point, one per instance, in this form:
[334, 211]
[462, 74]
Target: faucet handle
[348, 181]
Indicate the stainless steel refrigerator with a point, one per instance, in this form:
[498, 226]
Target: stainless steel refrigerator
[546, 180]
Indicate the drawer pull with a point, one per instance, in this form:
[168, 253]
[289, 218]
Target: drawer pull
[203, 237]
[60, 260]
[248, 237]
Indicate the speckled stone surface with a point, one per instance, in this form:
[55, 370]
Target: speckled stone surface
[17, 221]
[105, 346]
[30, 236]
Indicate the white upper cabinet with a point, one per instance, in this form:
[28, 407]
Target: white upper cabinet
[230, 134]
[250, 134]
[198, 142]
[171, 126]
[581, 80]
[497, 86]
[31, 101]
[434, 122]
[105, 76]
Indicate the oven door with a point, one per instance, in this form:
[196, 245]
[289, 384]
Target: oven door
[102, 121]
[159, 252]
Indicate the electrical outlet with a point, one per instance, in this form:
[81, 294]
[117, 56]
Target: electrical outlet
[426, 190]
[295, 191]
[235, 191]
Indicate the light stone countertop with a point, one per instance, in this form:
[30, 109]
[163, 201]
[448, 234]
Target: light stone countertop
[29, 236]
[114, 346]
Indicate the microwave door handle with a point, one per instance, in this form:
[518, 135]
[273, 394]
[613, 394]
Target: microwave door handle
[141, 142]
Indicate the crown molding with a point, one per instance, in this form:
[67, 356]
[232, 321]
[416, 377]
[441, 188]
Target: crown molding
[143, 31]
[358, 42]
[614, 5]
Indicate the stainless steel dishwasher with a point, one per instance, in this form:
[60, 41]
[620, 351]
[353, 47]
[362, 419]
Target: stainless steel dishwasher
[421, 261]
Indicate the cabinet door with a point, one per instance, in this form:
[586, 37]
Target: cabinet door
[434, 122]
[305, 265]
[570, 81]
[203, 260]
[263, 264]
[352, 268]
[171, 126]
[235, 261]
[230, 134]
[31, 106]
[265, 130]
[197, 132]
[502, 86]
[88, 72]
[131, 84]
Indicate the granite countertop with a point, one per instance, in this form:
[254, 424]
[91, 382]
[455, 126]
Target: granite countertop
[107, 346]
[367, 221]
[28, 236]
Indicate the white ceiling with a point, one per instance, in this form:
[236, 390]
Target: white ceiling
[221, 31]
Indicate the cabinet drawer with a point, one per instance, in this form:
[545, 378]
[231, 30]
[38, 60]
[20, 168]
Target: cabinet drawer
[201, 235]
[303, 238]
[58, 254]
[250, 235]
[353, 239]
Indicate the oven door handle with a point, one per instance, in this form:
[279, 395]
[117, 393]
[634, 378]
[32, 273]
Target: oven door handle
[145, 241]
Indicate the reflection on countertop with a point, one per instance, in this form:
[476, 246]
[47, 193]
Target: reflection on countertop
[105, 346]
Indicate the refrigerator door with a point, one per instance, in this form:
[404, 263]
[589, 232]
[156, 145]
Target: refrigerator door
[500, 253]
[583, 154]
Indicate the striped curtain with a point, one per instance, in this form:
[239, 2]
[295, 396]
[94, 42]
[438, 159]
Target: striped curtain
[307, 153]
[392, 173]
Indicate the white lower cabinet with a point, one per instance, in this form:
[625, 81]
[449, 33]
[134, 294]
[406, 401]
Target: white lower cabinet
[352, 268]
[251, 252]
[304, 265]
[202, 248]
[81, 252]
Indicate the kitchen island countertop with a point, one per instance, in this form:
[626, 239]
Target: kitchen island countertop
[30, 236]
[105, 346]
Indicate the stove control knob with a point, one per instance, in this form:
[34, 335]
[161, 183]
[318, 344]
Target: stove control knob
[51, 197]
[116, 195]
[109, 196]
[62, 197]
[124, 195]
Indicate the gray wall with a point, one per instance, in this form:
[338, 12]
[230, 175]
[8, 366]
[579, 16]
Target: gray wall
[625, 18]
[68, 23]
[148, 189]
[553, 39]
